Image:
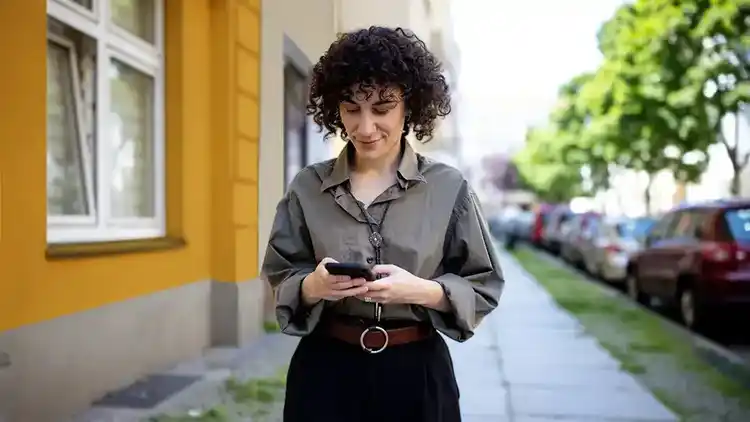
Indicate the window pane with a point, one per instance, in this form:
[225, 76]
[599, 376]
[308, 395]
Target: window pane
[66, 189]
[88, 4]
[295, 120]
[738, 222]
[131, 129]
[136, 17]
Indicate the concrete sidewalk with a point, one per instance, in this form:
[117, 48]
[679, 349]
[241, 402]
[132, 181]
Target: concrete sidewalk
[530, 361]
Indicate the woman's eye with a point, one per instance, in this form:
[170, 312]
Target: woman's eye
[351, 110]
[381, 110]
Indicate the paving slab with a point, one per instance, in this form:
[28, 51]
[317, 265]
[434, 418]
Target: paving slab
[588, 402]
[531, 361]
[585, 352]
[484, 402]
[532, 374]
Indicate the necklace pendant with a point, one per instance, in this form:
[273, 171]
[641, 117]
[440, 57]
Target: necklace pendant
[376, 240]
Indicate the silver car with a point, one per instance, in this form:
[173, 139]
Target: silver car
[611, 243]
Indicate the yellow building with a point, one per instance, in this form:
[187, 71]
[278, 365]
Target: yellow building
[134, 244]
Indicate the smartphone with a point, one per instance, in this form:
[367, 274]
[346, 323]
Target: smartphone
[351, 269]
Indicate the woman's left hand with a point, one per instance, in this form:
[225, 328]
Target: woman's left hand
[398, 286]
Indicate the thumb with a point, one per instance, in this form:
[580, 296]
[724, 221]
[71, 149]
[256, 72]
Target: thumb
[327, 260]
[322, 265]
[384, 269]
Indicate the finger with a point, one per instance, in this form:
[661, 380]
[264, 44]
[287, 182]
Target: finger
[348, 284]
[340, 278]
[354, 291]
[384, 269]
[358, 282]
[379, 286]
[327, 260]
[379, 297]
[322, 264]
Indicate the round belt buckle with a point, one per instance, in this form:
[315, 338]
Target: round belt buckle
[371, 329]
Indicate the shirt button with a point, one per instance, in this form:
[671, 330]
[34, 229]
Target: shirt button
[370, 260]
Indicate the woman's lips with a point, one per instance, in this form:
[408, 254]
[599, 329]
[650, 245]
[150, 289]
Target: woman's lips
[369, 142]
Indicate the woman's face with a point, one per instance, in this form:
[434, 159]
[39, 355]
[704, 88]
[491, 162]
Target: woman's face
[374, 121]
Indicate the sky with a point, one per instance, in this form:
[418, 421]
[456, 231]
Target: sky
[514, 56]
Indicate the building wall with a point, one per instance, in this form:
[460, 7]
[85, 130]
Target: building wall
[309, 28]
[98, 316]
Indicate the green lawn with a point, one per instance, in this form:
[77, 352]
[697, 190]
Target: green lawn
[646, 346]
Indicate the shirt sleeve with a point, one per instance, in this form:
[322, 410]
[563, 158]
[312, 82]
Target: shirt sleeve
[471, 278]
[289, 259]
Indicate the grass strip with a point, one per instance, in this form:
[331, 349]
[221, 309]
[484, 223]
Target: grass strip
[631, 334]
[255, 398]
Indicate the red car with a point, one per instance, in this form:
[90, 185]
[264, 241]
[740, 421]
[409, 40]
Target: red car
[541, 214]
[697, 257]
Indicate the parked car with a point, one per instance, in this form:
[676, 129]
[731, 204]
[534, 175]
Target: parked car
[607, 249]
[697, 257]
[552, 232]
[520, 228]
[578, 229]
[499, 222]
[540, 218]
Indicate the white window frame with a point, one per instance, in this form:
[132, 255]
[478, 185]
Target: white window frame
[112, 43]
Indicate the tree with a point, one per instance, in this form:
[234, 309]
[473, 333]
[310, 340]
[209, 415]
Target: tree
[720, 75]
[628, 105]
[693, 57]
[579, 144]
[543, 172]
[502, 172]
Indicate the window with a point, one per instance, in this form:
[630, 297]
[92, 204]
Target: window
[295, 122]
[105, 136]
[661, 228]
[738, 224]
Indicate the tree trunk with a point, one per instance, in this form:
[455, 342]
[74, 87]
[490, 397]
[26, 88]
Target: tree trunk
[736, 185]
[738, 163]
[647, 194]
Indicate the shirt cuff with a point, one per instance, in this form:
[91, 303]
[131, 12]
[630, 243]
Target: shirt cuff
[294, 317]
[459, 322]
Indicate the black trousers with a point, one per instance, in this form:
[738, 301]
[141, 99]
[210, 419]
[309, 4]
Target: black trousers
[333, 381]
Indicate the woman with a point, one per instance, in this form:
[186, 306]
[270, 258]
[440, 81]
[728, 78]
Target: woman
[369, 349]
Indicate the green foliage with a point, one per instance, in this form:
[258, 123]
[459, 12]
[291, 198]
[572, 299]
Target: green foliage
[671, 71]
[542, 171]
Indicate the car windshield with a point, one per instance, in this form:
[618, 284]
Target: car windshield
[633, 229]
[738, 222]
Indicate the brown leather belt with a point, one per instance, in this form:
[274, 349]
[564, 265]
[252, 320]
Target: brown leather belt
[375, 339]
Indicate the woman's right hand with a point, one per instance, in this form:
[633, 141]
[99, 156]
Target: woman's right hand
[321, 285]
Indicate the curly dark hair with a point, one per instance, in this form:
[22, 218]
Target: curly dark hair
[379, 57]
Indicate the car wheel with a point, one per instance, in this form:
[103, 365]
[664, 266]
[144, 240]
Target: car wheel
[634, 291]
[687, 307]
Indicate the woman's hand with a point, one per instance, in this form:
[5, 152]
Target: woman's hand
[401, 286]
[321, 285]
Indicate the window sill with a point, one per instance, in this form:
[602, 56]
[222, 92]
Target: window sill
[87, 250]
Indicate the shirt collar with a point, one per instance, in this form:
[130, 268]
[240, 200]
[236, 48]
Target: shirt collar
[408, 169]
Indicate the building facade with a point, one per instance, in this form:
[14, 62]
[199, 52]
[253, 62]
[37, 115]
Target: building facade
[133, 245]
[136, 243]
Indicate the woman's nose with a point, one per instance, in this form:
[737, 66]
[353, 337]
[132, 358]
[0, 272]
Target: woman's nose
[366, 125]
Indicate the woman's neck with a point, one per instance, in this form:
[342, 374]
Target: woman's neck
[381, 166]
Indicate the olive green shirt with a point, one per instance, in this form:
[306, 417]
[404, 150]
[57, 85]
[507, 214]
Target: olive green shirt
[433, 228]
